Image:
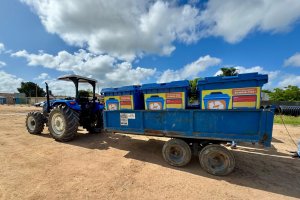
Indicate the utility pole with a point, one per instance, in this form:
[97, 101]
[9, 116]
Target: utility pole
[35, 93]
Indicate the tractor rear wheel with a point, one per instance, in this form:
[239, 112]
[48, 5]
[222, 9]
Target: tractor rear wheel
[63, 123]
[35, 123]
[177, 152]
[216, 160]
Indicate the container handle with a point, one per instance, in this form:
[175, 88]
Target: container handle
[229, 77]
[216, 93]
[154, 96]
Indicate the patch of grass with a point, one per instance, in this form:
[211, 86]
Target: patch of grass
[287, 119]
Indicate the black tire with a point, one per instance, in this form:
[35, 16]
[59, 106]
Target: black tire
[216, 160]
[63, 123]
[177, 152]
[35, 123]
[97, 125]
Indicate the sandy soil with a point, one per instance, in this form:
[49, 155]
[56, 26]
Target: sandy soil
[115, 166]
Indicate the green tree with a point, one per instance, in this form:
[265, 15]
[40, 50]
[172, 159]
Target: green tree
[31, 89]
[193, 94]
[266, 91]
[83, 93]
[90, 91]
[229, 71]
[290, 93]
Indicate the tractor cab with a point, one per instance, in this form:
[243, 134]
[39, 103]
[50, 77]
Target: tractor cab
[76, 79]
[79, 103]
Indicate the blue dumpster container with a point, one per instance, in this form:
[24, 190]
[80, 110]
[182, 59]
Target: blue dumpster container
[123, 98]
[243, 90]
[166, 96]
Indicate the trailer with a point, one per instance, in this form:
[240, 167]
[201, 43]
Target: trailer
[196, 132]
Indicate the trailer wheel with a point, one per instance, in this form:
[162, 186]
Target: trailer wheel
[216, 160]
[63, 123]
[35, 123]
[177, 152]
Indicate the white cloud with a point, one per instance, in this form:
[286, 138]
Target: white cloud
[104, 68]
[61, 88]
[289, 79]
[122, 29]
[293, 60]
[190, 70]
[126, 29]
[2, 64]
[42, 76]
[123, 74]
[67, 88]
[234, 20]
[2, 47]
[9, 82]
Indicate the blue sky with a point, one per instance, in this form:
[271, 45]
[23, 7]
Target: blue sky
[125, 42]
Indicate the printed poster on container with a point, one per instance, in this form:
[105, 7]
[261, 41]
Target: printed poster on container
[233, 98]
[126, 102]
[118, 102]
[162, 101]
[124, 117]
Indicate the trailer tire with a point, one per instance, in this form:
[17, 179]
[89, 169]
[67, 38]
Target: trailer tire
[63, 123]
[216, 160]
[35, 123]
[177, 152]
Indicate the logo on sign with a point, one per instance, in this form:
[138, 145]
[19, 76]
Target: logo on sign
[155, 106]
[173, 95]
[216, 104]
[112, 106]
[242, 91]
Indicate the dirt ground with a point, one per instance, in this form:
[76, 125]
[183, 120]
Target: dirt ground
[116, 166]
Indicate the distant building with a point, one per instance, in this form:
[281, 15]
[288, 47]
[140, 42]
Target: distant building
[11, 98]
[2, 100]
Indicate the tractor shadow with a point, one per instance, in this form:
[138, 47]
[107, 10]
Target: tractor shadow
[266, 170]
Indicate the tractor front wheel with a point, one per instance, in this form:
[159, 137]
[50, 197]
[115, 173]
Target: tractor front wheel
[35, 122]
[63, 123]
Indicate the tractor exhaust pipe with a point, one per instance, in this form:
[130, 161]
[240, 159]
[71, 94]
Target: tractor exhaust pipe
[48, 99]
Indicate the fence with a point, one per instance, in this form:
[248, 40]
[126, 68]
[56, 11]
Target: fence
[281, 103]
[24, 100]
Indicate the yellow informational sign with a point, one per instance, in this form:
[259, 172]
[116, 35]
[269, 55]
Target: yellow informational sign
[162, 101]
[233, 98]
[124, 102]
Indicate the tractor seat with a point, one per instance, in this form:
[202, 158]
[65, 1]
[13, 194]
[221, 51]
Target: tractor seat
[83, 100]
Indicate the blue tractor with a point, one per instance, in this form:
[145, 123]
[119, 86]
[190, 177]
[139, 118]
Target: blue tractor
[63, 116]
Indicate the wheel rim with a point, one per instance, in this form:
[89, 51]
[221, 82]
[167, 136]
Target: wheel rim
[217, 161]
[58, 123]
[176, 153]
[31, 123]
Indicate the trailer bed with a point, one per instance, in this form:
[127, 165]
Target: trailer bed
[216, 125]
